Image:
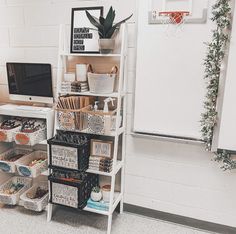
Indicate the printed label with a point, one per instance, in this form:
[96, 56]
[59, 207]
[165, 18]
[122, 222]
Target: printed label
[64, 157]
[65, 195]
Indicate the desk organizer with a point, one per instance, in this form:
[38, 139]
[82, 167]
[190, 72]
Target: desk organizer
[7, 162]
[74, 156]
[25, 169]
[38, 204]
[72, 193]
[13, 199]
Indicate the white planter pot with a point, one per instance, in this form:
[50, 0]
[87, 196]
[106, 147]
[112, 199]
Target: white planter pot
[106, 190]
[106, 45]
[96, 196]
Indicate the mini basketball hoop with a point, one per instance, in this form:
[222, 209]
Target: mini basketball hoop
[174, 21]
[175, 17]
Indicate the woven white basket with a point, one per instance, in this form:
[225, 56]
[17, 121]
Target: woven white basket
[13, 199]
[30, 138]
[8, 134]
[7, 166]
[35, 204]
[34, 171]
[102, 83]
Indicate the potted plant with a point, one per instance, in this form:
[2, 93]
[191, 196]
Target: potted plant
[106, 29]
[96, 194]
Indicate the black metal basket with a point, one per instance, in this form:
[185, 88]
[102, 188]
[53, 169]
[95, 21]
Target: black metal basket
[72, 194]
[70, 156]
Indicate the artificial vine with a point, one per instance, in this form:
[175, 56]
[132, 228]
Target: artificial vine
[221, 15]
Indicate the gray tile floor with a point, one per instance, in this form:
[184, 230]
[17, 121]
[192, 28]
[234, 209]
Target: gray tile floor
[67, 221]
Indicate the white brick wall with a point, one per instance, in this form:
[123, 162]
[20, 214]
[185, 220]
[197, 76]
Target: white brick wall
[171, 177]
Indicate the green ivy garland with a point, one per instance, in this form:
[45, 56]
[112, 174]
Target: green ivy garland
[221, 12]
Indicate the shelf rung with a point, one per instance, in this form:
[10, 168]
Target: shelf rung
[102, 212]
[114, 94]
[118, 198]
[117, 168]
[112, 134]
[89, 55]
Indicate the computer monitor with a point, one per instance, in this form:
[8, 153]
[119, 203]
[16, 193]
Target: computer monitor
[30, 82]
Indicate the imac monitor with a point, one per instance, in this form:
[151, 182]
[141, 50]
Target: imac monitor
[30, 82]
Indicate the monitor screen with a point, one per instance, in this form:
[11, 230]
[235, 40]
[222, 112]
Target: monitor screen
[30, 79]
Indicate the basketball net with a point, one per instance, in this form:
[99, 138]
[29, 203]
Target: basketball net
[174, 20]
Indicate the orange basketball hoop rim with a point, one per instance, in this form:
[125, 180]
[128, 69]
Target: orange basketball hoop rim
[176, 17]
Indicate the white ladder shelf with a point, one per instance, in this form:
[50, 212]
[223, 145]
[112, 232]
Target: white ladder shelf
[116, 198]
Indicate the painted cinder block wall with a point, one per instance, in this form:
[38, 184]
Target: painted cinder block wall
[166, 176]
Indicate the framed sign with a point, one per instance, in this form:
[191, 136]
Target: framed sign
[102, 148]
[83, 38]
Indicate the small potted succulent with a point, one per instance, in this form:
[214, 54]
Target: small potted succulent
[106, 29]
[96, 194]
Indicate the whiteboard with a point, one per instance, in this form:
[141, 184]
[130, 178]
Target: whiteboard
[227, 123]
[170, 89]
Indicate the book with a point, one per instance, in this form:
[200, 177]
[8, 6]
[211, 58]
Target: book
[101, 205]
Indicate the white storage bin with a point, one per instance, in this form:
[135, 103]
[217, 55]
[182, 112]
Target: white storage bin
[32, 171]
[7, 166]
[102, 83]
[13, 199]
[7, 135]
[23, 138]
[35, 204]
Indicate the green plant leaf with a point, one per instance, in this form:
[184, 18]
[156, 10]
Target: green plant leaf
[102, 32]
[116, 26]
[110, 32]
[94, 21]
[109, 20]
[101, 20]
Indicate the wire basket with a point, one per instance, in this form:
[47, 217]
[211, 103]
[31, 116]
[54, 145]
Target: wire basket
[13, 199]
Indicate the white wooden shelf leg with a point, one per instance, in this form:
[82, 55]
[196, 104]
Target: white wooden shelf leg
[49, 212]
[109, 224]
[113, 180]
[122, 190]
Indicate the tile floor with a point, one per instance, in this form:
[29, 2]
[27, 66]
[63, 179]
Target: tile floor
[67, 221]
